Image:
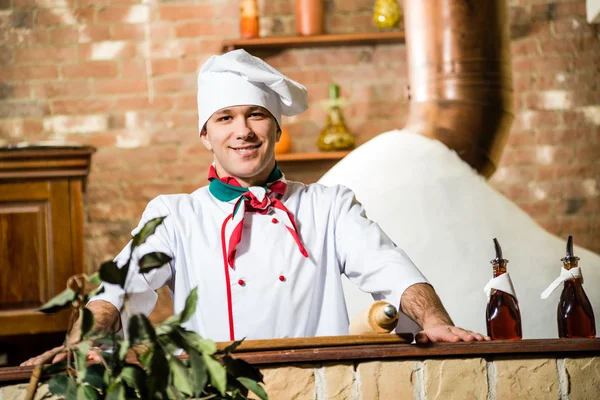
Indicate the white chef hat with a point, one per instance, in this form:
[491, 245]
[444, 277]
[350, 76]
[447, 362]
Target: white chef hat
[238, 78]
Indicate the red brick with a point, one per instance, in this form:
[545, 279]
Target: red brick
[587, 61]
[133, 69]
[115, 211]
[92, 69]
[139, 13]
[165, 67]
[108, 159]
[207, 28]
[159, 31]
[143, 103]
[573, 26]
[554, 11]
[65, 16]
[536, 119]
[587, 153]
[569, 45]
[148, 191]
[153, 154]
[559, 136]
[520, 138]
[186, 102]
[28, 73]
[183, 12]
[108, 50]
[566, 81]
[14, 92]
[20, 127]
[79, 34]
[41, 55]
[525, 47]
[97, 194]
[80, 106]
[191, 65]
[43, 3]
[120, 86]
[176, 84]
[344, 6]
[541, 64]
[71, 88]
[537, 208]
[307, 77]
[192, 172]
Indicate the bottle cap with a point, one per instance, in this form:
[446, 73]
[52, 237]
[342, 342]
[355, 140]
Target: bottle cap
[498, 260]
[570, 257]
[334, 91]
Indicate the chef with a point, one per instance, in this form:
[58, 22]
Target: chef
[265, 254]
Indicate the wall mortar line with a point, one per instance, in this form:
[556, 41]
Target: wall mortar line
[563, 379]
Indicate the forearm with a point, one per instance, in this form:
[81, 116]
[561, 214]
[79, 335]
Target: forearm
[106, 319]
[422, 305]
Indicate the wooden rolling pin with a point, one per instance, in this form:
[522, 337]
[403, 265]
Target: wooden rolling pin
[379, 317]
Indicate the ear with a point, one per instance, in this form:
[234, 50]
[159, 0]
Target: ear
[278, 135]
[205, 140]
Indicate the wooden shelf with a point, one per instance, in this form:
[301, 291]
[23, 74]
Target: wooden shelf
[286, 42]
[318, 156]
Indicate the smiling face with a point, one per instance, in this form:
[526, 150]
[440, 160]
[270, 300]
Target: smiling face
[242, 139]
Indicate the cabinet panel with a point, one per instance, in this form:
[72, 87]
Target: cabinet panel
[24, 234]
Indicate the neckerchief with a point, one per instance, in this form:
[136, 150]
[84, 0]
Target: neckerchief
[260, 199]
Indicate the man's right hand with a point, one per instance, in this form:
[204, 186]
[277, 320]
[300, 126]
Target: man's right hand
[57, 355]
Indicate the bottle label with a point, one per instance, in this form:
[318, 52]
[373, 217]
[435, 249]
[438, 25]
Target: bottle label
[565, 275]
[502, 282]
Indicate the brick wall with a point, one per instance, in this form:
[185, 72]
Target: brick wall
[120, 75]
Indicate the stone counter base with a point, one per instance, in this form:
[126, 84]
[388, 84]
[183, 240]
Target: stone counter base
[430, 379]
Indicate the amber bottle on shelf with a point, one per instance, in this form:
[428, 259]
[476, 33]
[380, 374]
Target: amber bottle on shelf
[249, 23]
[335, 136]
[575, 313]
[503, 316]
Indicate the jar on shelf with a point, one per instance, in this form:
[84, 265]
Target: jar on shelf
[335, 136]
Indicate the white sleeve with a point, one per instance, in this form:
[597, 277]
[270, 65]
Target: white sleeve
[141, 288]
[367, 256]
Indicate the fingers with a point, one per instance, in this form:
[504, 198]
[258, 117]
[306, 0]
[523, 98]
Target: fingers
[46, 357]
[59, 357]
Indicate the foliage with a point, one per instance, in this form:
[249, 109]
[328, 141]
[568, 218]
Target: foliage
[156, 373]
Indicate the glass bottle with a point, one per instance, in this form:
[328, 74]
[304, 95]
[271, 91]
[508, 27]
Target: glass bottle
[249, 25]
[335, 136]
[575, 313]
[503, 316]
[386, 14]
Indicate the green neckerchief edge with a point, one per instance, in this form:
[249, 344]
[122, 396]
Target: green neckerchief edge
[224, 192]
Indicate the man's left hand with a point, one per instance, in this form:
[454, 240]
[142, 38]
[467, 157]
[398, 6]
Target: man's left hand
[448, 333]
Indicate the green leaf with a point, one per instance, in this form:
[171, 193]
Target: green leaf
[240, 368]
[116, 393]
[140, 329]
[86, 392]
[254, 386]
[150, 261]
[94, 375]
[87, 322]
[106, 340]
[190, 306]
[123, 347]
[231, 348]
[58, 302]
[58, 384]
[80, 359]
[158, 376]
[203, 345]
[52, 369]
[94, 279]
[181, 377]
[146, 231]
[71, 392]
[111, 273]
[217, 373]
[199, 372]
[135, 377]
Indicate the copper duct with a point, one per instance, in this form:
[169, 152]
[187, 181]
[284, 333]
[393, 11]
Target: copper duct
[460, 76]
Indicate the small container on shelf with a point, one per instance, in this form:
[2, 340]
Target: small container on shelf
[249, 21]
[386, 14]
[310, 17]
[335, 136]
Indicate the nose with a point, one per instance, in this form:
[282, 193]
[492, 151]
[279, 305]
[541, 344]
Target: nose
[242, 129]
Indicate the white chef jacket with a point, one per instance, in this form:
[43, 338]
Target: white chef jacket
[275, 292]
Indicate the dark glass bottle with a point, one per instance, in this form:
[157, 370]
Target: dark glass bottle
[502, 313]
[575, 313]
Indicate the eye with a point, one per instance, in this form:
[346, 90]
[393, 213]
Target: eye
[257, 114]
[224, 118]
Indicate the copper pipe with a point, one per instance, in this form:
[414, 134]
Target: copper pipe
[460, 76]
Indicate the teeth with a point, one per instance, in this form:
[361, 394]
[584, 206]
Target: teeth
[246, 148]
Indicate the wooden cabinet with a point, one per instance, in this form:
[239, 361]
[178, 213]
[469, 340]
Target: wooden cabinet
[41, 233]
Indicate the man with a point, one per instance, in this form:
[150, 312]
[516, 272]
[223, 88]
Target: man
[266, 254]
